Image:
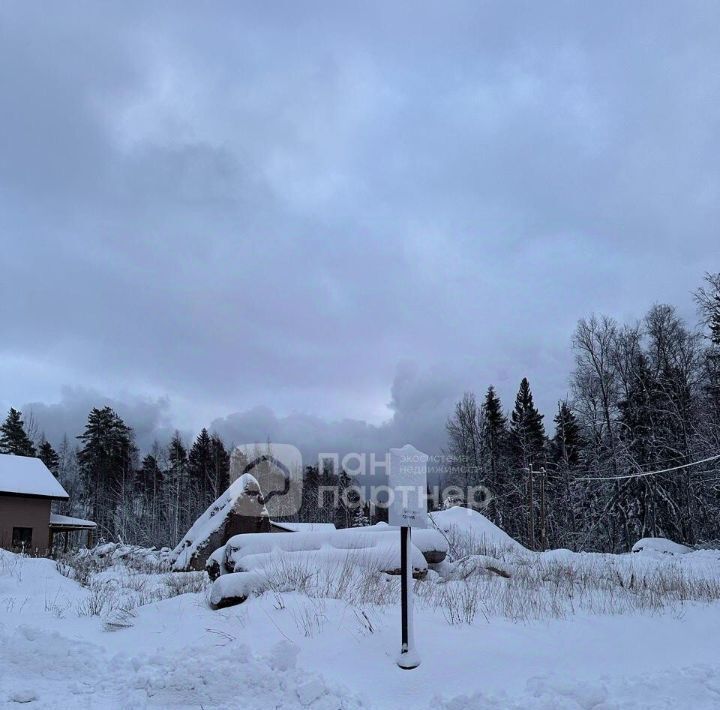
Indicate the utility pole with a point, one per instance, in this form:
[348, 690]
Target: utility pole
[530, 502]
[543, 532]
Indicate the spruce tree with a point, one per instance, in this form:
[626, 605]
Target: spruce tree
[310, 507]
[494, 438]
[567, 442]
[527, 432]
[200, 468]
[181, 508]
[49, 456]
[220, 467]
[13, 437]
[150, 477]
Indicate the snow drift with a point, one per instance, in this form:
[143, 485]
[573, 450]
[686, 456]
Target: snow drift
[660, 545]
[472, 529]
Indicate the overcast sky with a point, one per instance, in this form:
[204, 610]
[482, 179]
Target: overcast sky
[321, 222]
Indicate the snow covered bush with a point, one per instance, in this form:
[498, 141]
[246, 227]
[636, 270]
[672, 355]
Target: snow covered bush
[120, 578]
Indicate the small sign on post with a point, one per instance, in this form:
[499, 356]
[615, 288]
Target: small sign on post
[407, 479]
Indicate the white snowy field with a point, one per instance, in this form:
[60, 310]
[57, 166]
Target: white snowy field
[563, 631]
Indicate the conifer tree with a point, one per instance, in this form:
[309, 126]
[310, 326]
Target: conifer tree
[220, 467]
[201, 474]
[567, 442]
[494, 438]
[527, 432]
[177, 473]
[106, 465]
[49, 456]
[13, 437]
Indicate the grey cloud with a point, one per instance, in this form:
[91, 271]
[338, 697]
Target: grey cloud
[150, 418]
[277, 204]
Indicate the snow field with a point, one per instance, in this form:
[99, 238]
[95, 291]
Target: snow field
[496, 627]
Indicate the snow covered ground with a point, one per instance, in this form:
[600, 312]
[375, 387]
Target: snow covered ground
[563, 631]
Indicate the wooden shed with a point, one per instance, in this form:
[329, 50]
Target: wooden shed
[27, 490]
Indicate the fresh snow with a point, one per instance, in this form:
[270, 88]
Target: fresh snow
[56, 519]
[661, 545]
[475, 527]
[376, 550]
[303, 527]
[598, 648]
[24, 475]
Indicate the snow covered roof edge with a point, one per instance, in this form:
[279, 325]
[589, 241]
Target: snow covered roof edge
[28, 476]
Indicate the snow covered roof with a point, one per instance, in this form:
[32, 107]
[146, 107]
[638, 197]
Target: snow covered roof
[65, 521]
[26, 476]
[303, 527]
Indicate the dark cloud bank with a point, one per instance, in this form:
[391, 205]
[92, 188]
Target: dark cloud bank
[211, 207]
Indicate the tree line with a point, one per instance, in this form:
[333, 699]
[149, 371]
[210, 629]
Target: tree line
[151, 500]
[644, 397]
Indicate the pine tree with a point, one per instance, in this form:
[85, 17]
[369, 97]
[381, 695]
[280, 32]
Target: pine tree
[13, 437]
[49, 456]
[106, 463]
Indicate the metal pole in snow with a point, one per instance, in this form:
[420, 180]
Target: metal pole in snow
[408, 658]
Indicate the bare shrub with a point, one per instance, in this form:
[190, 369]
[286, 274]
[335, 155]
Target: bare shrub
[102, 598]
[178, 583]
[542, 588]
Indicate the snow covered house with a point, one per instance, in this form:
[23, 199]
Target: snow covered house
[27, 490]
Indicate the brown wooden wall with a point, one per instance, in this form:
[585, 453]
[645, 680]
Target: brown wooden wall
[34, 513]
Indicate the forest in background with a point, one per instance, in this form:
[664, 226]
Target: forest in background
[645, 397]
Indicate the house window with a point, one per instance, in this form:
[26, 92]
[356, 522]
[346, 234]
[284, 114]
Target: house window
[22, 538]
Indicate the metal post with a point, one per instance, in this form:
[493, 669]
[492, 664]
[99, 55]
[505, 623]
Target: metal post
[408, 658]
[531, 511]
[543, 532]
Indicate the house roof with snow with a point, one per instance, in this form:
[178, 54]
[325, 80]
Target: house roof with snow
[28, 477]
[302, 527]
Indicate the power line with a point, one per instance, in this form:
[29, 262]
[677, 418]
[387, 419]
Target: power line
[648, 473]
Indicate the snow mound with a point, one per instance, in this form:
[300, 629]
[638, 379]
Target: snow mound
[661, 545]
[475, 531]
[430, 542]
[244, 498]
